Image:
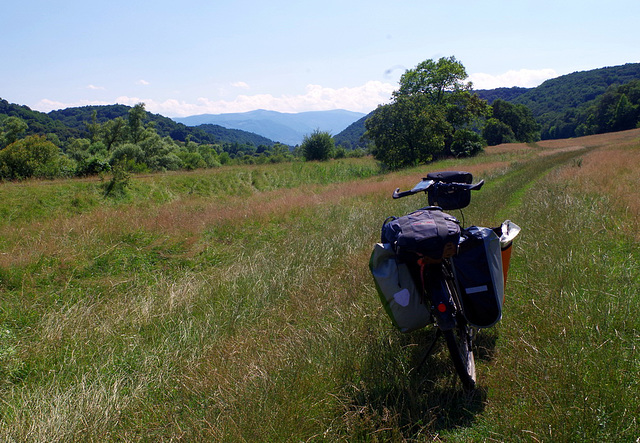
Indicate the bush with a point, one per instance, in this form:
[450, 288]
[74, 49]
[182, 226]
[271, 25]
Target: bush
[128, 151]
[466, 143]
[496, 132]
[34, 156]
[317, 146]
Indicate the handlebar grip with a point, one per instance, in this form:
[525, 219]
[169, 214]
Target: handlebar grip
[398, 194]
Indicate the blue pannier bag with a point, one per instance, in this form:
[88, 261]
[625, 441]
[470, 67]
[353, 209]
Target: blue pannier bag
[478, 271]
[427, 232]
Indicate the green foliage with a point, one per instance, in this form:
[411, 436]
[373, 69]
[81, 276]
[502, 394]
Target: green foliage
[511, 123]
[318, 145]
[496, 132]
[431, 105]
[617, 109]
[575, 104]
[407, 132]
[467, 143]
[434, 80]
[34, 156]
[120, 134]
[12, 128]
[120, 180]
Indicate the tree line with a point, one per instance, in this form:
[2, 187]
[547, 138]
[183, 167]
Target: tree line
[581, 103]
[618, 109]
[433, 114]
[133, 144]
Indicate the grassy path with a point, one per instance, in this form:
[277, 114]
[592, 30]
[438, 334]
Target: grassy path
[253, 317]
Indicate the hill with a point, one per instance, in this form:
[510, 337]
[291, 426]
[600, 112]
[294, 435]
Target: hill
[289, 128]
[351, 137]
[555, 102]
[76, 118]
[71, 123]
[552, 104]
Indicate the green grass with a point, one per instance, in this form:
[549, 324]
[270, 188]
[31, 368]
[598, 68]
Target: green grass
[236, 305]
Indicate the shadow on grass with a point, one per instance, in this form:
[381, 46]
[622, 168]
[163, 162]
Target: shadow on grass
[395, 399]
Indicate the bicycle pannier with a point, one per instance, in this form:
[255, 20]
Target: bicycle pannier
[478, 271]
[400, 297]
[427, 232]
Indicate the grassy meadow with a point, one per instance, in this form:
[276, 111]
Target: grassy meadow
[236, 305]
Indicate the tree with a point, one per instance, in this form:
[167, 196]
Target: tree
[434, 80]
[466, 143]
[496, 132]
[518, 118]
[407, 132]
[624, 116]
[319, 145]
[12, 128]
[431, 104]
[113, 132]
[136, 126]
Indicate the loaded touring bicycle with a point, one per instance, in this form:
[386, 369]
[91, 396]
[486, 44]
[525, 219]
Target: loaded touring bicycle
[430, 270]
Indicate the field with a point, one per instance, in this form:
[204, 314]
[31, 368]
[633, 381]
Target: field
[236, 305]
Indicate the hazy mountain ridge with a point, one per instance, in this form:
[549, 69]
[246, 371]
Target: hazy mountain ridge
[551, 104]
[287, 128]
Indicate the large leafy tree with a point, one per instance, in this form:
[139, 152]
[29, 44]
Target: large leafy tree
[407, 132]
[431, 104]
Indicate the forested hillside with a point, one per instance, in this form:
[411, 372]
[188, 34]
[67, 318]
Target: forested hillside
[571, 105]
[72, 123]
[563, 106]
[77, 118]
[95, 139]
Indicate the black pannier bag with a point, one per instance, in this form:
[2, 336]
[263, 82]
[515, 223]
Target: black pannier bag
[449, 197]
[478, 271]
[427, 232]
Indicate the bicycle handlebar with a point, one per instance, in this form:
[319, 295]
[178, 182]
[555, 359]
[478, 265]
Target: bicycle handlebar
[425, 184]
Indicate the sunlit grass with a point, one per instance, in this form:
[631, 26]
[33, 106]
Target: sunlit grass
[236, 305]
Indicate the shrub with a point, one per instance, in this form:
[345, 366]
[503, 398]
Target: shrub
[496, 132]
[34, 156]
[319, 145]
[466, 143]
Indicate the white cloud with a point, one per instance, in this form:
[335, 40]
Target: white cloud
[241, 85]
[142, 82]
[95, 88]
[364, 98]
[46, 105]
[526, 78]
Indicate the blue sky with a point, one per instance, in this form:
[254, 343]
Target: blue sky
[194, 56]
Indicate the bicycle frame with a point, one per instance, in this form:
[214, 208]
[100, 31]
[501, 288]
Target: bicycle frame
[440, 286]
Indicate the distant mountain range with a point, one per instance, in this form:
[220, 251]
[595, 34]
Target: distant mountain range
[283, 127]
[554, 104]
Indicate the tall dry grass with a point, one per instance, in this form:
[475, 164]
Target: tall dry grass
[194, 309]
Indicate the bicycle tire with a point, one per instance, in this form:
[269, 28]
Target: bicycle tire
[459, 342]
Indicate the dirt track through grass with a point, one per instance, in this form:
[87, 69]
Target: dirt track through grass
[253, 317]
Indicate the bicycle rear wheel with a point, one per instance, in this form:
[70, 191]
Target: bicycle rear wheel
[459, 341]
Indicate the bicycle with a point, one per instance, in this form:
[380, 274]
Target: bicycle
[439, 280]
